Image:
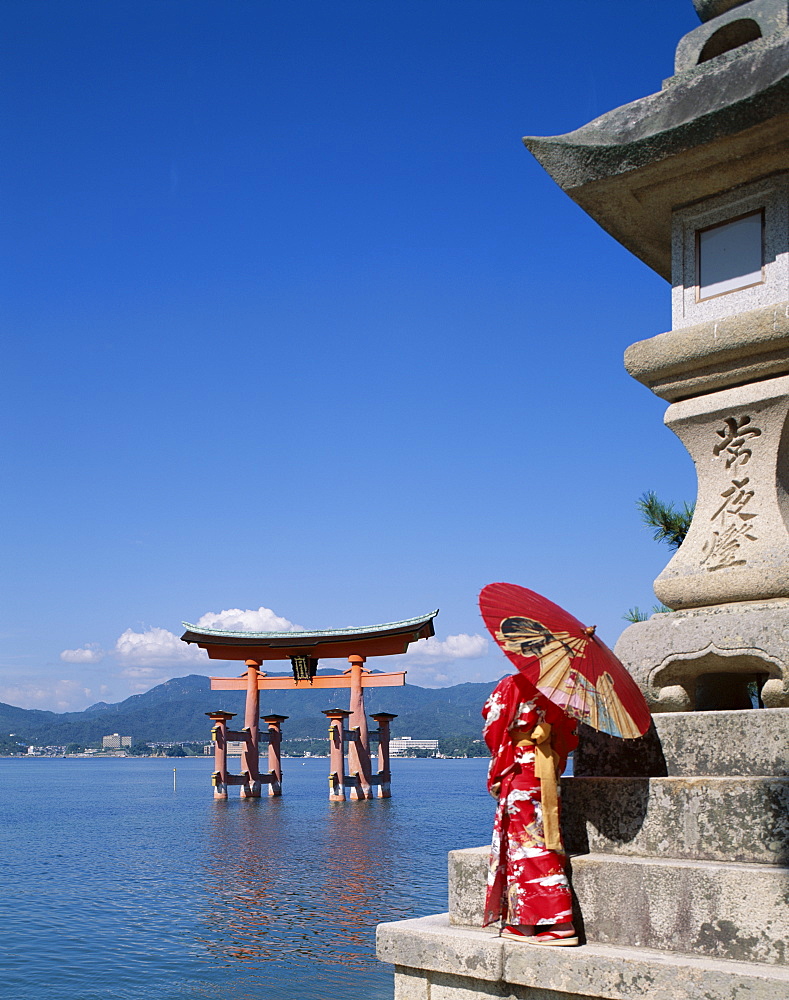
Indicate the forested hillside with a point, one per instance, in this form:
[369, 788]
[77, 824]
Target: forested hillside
[176, 711]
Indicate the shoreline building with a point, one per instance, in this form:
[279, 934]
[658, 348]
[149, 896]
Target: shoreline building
[404, 744]
[116, 742]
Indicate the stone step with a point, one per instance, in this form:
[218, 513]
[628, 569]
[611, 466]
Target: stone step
[709, 819]
[738, 912]
[437, 961]
[687, 744]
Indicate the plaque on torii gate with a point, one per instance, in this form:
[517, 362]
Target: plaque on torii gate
[304, 650]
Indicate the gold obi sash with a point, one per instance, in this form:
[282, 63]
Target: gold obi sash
[545, 766]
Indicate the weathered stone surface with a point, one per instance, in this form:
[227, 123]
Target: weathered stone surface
[764, 16]
[707, 9]
[590, 971]
[689, 818]
[623, 973]
[731, 911]
[468, 871]
[718, 354]
[669, 653]
[737, 548]
[601, 755]
[430, 943]
[738, 912]
[412, 984]
[694, 744]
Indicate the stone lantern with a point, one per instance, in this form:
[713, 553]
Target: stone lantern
[679, 841]
[694, 180]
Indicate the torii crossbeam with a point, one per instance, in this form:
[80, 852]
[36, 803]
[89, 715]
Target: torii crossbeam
[304, 650]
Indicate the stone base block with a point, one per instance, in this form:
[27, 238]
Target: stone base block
[733, 911]
[413, 984]
[688, 818]
[688, 744]
[436, 961]
[670, 655]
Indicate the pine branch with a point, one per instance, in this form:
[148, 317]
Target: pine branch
[670, 524]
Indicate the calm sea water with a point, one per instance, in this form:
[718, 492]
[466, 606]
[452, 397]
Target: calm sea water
[117, 888]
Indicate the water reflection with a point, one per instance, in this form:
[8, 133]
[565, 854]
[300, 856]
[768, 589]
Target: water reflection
[285, 883]
[269, 900]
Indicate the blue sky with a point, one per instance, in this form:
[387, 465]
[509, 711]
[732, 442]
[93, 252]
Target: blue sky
[293, 321]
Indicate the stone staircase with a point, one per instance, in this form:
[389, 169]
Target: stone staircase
[679, 871]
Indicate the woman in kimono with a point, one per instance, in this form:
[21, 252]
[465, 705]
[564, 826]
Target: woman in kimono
[529, 739]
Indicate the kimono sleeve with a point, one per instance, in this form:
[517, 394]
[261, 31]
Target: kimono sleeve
[498, 712]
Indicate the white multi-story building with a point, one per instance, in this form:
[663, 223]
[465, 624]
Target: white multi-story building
[405, 744]
[116, 742]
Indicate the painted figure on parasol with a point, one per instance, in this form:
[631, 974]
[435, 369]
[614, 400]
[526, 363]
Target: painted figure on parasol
[529, 739]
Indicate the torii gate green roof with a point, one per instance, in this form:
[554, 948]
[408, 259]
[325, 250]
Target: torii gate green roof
[366, 640]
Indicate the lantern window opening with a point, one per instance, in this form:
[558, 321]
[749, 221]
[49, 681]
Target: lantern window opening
[730, 36]
[730, 255]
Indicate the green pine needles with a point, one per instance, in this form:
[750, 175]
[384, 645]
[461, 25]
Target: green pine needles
[637, 615]
[670, 525]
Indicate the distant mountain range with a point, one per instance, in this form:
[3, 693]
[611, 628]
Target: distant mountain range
[175, 711]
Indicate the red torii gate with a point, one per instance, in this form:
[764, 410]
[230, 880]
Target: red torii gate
[304, 650]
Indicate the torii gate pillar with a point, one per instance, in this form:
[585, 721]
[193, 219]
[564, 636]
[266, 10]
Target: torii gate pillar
[250, 755]
[359, 749]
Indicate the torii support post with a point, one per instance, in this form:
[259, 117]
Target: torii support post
[336, 717]
[219, 737]
[384, 777]
[274, 777]
[359, 747]
[250, 755]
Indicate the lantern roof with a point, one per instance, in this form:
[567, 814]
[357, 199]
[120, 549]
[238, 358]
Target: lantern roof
[722, 120]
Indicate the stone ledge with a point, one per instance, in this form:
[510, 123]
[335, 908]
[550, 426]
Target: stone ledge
[736, 912]
[714, 355]
[686, 818]
[430, 945]
[690, 744]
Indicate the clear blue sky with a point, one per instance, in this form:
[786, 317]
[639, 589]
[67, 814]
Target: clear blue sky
[292, 320]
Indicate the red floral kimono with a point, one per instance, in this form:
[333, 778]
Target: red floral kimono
[526, 881]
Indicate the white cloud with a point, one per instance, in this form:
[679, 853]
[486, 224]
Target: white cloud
[148, 674]
[236, 620]
[91, 652]
[429, 661]
[142, 679]
[455, 647]
[430, 677]
[155, 647]
[58, 696]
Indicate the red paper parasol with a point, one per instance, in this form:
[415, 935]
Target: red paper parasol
[564, 660]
